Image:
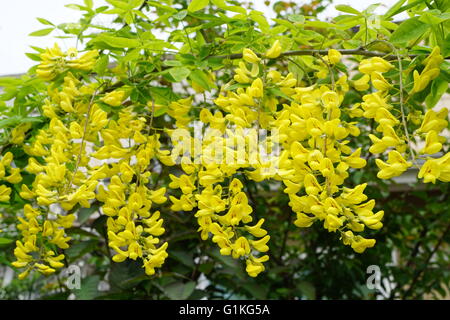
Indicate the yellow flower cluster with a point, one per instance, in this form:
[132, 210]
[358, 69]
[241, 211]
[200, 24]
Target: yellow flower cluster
[434, 169]
[9, 174]
[315, 161]
[18, 133]
[36, 228]
[430, 72]
[55, 62]
[67, 174]
[376, 106]
[133, 230]
[54, 150]
[223, 215]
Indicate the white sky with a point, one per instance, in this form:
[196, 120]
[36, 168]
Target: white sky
[18, 20]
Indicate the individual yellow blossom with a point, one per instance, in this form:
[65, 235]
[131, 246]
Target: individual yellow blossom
[432, 144]
[274, 51]
[395, 165]
[334, 56]
[250, 56]
[362, 84]
[114, 98]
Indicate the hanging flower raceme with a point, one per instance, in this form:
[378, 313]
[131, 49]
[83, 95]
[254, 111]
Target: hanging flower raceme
[316, 138]
[55, 62]
[133, 229]
[8, 174]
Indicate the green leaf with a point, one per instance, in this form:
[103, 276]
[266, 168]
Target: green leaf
[446, 46]
[89, 3]
[259, 18]
[347, 9]
[279, 93]
[296, 70]
[4, 241]
[394, 8]
[432, 18]
[85, 213]
[45, 21]
[118, 4]
[180, 15]
[438, 88]
[122, 275]
[42, 32]
[296, 18]
[196, 5]
[179, 73]
[199, 77]
[222, 5]
[117, 42]
[80, 248]
[410, 29]
[179, 290]
[172, 63]
[185, 258]
[75, 7]
[88, 288]
[101, 64]
[163, 95]
[320, 24]
[227, 260]
[400, 9]
[33, 56]
[15, 120]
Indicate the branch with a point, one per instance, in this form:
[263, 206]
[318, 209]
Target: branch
[427, 261]
[312, 52]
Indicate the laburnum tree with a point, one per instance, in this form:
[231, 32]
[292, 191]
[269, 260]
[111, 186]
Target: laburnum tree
[195, 149]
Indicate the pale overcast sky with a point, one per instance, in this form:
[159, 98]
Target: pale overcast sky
[18, 20]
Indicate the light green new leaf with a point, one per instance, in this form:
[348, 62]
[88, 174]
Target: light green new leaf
[180, 15]
[42, 32]
[196, 5]
[118, 42]
[394, 9]
[296, 18]
[118, 4]
[433, 17]
[179, 73]
[347, 9]
[89, 3]
[101, 64]
[199, 77]
[410, 29]
[222, 5]
[259, 18]
[398, 8]
[45, 21]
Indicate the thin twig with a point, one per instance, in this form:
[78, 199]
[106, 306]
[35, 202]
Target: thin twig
[83, 138]
[427, 261]
[311, 52]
